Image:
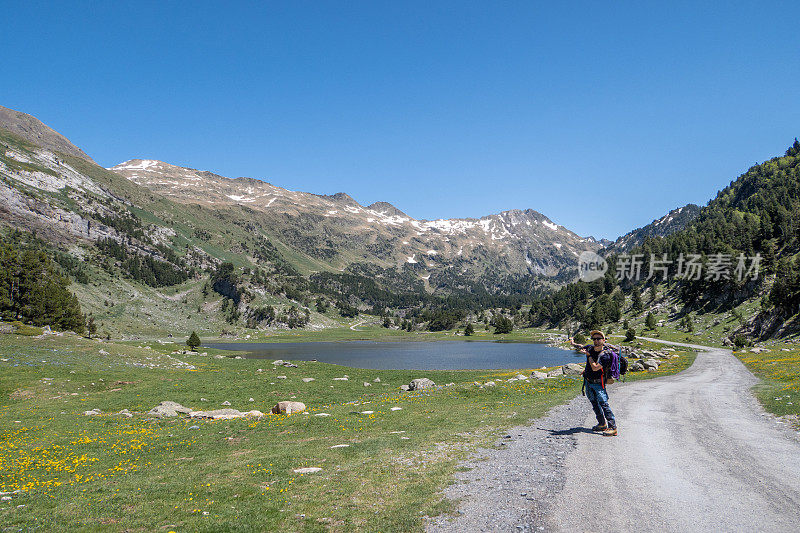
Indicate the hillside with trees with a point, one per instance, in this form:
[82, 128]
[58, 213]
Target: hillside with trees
[33, 287]
[750, 223]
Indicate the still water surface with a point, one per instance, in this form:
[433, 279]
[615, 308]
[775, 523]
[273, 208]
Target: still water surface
[415, 355]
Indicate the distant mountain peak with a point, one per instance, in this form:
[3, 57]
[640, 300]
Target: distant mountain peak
[340, 197]
[386, 208]
[672, 222]
[35, 131]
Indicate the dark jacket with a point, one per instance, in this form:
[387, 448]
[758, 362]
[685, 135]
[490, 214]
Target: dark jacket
[603, 357]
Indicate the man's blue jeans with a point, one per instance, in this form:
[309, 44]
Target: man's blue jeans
[599, 398]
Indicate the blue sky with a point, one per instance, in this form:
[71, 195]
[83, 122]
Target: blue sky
[602, 116]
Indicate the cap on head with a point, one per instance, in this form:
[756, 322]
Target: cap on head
[596, 332]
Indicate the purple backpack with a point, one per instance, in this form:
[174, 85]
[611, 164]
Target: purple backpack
[614, 366]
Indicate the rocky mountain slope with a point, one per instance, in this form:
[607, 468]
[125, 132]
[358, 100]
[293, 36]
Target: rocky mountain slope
[339, 231]
[34, 131]
[672, 222]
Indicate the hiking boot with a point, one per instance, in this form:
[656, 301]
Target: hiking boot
[600, 427]
[610, 432]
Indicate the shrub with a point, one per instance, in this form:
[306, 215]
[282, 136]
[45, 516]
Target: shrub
[740, 342]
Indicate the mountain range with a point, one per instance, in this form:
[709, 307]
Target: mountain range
[332, 232]
[189, 221]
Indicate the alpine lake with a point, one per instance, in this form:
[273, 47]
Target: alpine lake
[411, 355]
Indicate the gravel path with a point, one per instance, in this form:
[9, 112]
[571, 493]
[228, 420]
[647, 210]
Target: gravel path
[508, 487]
[695, 453]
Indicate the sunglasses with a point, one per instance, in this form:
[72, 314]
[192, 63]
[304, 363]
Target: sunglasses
[597, 338]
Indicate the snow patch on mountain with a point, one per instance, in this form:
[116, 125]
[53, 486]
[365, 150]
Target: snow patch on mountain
[237, 198]
[143, 164]
[550, 225]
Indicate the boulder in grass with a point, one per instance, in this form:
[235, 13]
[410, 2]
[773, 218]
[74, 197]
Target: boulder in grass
[637, 367]
[168, 409]
[288, 407]
[555, 373]
[572, 369]
[404, 388]
[421, 383]
[217, 414]
[650, 363]
[307, 470]
[538, 375]
[92, 412]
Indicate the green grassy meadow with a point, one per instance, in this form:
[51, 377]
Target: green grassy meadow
[110, 472]
[779, 370]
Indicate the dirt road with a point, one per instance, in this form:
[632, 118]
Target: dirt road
[695, 453]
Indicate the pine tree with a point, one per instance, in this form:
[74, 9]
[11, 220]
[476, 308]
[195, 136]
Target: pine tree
[650, 321]
[193, 341]
[636, 303]
[469, 330]
[503, 325]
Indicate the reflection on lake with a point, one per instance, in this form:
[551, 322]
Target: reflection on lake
[414, 355]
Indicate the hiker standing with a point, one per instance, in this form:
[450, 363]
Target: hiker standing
[598, 355]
